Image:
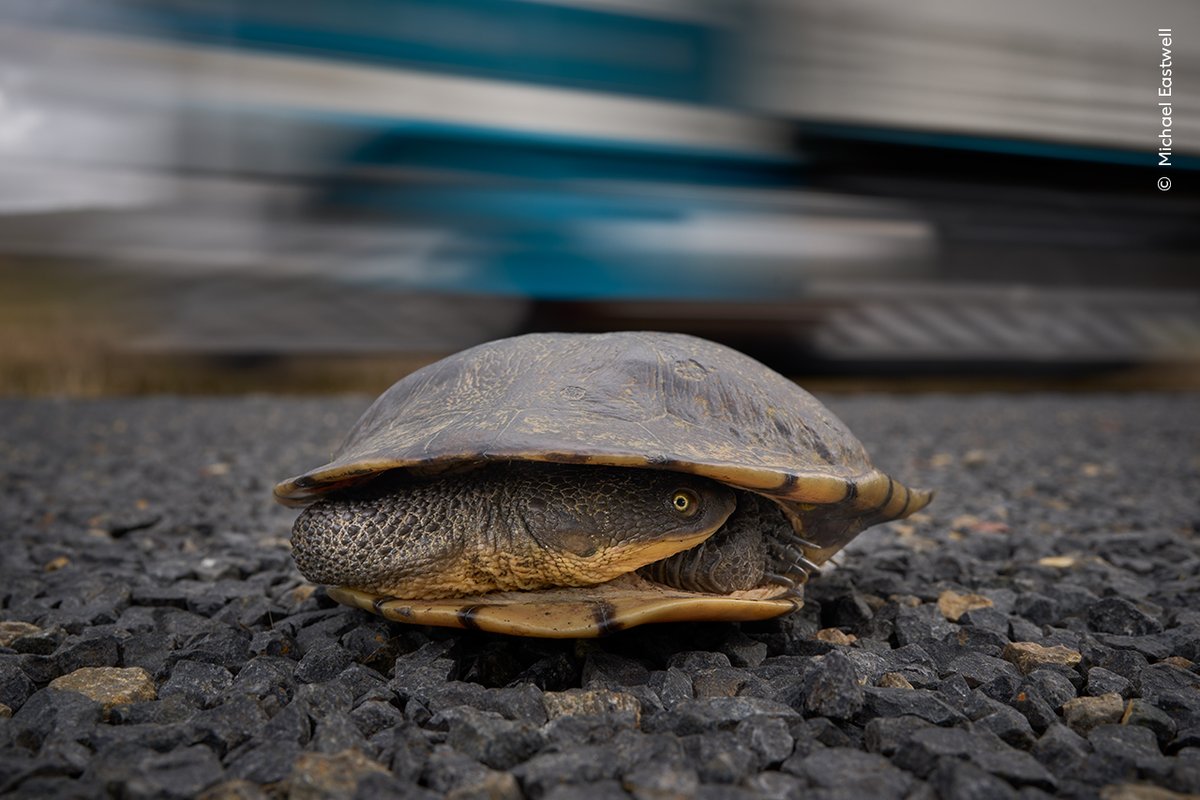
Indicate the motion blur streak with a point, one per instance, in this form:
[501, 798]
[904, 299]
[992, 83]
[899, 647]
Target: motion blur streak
[832, 184]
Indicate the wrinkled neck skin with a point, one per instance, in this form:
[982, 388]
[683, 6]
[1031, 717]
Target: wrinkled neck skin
[504, 527]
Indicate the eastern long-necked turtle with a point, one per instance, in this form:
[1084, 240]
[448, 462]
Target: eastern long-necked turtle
[571, 485]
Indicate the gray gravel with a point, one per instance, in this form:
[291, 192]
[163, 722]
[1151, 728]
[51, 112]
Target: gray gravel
[143, 558]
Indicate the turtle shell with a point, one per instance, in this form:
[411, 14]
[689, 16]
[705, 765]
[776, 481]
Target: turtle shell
[632, 399]
[575, 613]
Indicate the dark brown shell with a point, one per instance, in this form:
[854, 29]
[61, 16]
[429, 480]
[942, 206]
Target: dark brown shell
[640, 399]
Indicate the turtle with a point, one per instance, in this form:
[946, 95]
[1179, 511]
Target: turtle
[573, 485]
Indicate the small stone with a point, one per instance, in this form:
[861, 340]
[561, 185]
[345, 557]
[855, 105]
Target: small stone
[852, 772]
[772, 785]
[953, 605]
[42, 643]
[1084, 713]
[201, 684]
[672, 686]
[768, 737]
[1154, 646]
[820, 731]
[224, 646]
[661, 780]
[582, 702]
[15, 685]
[335, 733]
[693, 661]
[914, 663]
[979, 669]
[317, 775]
[488, 737]
[236, 789]
[606, 789]
[406, 750]
[1031, 705]
[182, 773]
[364, 683]
[547, 770]
[923, 703]
[374, 716]
[720, 757]
[50, 712]
[920, 625]
[610, 671]
[1061, 750]
[714, 713]
[1131, 746]
[847, 611]
[744, 651]
[5, 712]
[868, 664]
[1140, 791]
[984, 631]
[1009, 724]
[322, 663]
[1139, 712]
[1022, 630]
[1160, 682]
[835, 636]
[1185, 771]
[109, 686]
[893, 680]
[722, 682]
[228, 725]
[1119, 616]
[1037, 608]
[1051, 685]
[885, 735]
[927, 747]
[1028, 656]
[89, 651]
[1129, 664]
[1058, 562]
[40, 669]
[11, 630]
[1102, 681]
[831, 687]
[955, 778]
[57, 563]
[267, 762]
[273, 642]
[981, 621]
[269, 679]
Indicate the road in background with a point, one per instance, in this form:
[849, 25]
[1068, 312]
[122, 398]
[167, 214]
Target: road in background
[835, 187]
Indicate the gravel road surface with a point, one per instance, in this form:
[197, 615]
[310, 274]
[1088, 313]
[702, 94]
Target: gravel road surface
[1034, 633]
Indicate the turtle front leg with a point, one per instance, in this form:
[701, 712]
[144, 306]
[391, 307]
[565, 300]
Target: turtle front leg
[743, 554]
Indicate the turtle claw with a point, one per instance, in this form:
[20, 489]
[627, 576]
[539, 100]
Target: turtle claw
[781, 580]
[796, 540]
[796, 561]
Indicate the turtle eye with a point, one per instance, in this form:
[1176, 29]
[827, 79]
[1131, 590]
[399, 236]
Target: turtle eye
[685, 502]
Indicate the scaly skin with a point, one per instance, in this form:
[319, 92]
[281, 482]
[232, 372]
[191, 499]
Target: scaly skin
[733, 558]
[507, 526]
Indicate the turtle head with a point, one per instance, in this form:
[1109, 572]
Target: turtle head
[595, 523]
